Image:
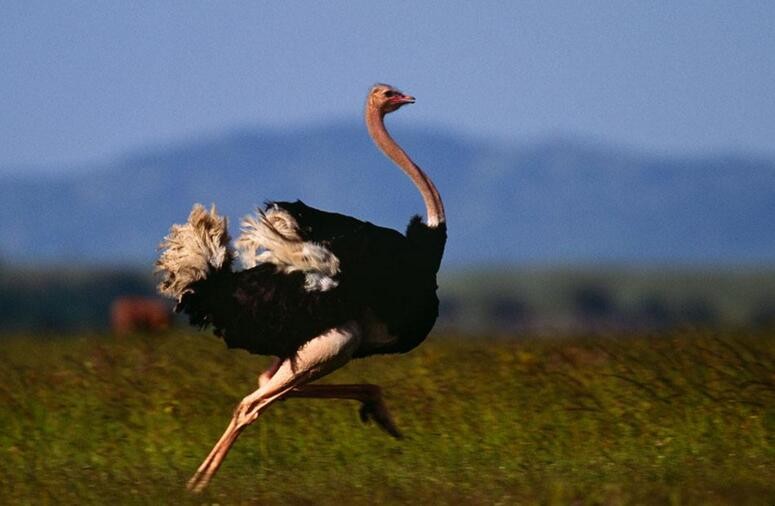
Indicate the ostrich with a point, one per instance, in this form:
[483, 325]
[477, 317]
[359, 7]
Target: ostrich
[318, 289]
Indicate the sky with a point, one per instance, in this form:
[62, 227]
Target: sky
[85, 81]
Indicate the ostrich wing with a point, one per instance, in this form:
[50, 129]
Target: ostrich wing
[296, 237]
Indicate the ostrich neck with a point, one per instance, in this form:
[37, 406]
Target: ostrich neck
[434, 208]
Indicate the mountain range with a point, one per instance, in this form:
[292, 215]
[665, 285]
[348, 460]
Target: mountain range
[555, 201]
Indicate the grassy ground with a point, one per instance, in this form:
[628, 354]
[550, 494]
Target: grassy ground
[682, 419]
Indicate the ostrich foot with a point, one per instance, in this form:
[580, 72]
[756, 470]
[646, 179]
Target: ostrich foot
[210, 466]
[375, 410]
[370, 396]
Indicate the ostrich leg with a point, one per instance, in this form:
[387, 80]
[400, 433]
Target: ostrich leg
[318, 357]
[372, 404]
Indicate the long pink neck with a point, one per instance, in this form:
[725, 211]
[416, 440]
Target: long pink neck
[434, 208]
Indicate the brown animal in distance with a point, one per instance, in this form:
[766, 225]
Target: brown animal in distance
[139, 314]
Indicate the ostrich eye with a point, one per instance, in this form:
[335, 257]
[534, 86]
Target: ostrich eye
[390, 93]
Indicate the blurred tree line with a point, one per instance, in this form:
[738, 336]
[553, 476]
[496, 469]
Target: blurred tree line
[64, 299]
[578, 299]
[500, 300]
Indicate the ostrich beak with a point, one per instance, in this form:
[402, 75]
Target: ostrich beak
[407, 99]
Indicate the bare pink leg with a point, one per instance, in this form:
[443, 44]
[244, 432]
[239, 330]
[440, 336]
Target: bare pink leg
[373, 406]
[318, 357]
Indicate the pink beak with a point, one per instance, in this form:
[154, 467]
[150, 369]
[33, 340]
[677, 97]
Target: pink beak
[403, 99]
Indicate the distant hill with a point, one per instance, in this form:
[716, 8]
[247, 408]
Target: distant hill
[557, 201]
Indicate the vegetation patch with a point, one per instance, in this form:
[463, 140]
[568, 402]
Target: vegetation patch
[686, 418]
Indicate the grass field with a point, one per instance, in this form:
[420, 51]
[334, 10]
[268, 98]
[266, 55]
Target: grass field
[682, 419]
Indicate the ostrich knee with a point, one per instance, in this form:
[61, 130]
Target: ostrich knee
[265, 376]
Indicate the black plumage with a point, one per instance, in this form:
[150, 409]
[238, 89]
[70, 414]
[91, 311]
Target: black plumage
[385, 277]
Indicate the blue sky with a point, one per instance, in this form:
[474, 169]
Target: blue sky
[82, 81]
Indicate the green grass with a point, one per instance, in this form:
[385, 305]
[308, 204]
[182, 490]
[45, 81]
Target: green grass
[681, 419]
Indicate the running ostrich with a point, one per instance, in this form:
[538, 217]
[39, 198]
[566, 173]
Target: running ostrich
[318, 289]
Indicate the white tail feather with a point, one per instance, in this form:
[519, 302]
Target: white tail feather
[273, 236]
[191, 250]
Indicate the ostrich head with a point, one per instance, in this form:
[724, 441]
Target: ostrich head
[387, 99]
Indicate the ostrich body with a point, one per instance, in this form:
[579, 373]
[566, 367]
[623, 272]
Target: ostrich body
[319, 289]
